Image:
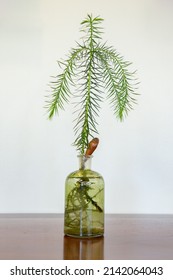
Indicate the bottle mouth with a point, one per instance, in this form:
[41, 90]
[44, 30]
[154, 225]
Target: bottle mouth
[84, 156]
[84, 161]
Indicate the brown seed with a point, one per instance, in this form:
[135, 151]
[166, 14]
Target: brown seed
[92, 146]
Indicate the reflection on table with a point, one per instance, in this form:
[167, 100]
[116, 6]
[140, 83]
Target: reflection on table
[83, 248]
[127, 236]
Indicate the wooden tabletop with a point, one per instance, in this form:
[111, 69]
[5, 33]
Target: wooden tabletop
[131, 237]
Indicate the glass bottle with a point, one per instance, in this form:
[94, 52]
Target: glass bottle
[84, 201]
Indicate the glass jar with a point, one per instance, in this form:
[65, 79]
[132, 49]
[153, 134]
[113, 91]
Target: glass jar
[84, 201]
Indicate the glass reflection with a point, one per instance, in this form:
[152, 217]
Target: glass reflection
[83, 249]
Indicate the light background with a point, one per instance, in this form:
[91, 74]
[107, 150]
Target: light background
[134, 157]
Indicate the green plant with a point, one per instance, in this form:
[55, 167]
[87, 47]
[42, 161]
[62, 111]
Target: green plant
[92, 68]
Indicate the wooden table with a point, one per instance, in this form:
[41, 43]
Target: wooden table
[131, 237]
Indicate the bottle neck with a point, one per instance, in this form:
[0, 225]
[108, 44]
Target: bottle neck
[84, 162]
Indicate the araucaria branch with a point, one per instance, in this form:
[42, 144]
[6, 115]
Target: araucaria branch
[94, 71]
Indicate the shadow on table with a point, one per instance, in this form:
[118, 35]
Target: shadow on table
[83, 249]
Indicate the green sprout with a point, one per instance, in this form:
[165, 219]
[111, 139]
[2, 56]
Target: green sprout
[92, 71]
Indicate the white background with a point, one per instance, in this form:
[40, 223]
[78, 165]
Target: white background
[134, 157]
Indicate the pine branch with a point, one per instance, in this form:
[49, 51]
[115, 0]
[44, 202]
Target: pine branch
[117, 81]
[89, 68]
[61, 86]
[86, 124]
[90, 91]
